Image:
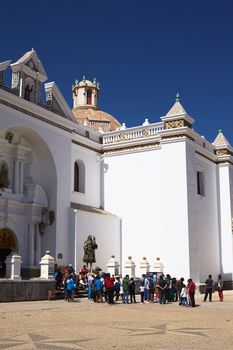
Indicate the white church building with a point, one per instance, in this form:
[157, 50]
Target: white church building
[155, 190]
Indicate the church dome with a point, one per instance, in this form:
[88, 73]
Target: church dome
[96, 119]
[86, 98]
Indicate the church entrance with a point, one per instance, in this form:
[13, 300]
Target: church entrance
[7, 245]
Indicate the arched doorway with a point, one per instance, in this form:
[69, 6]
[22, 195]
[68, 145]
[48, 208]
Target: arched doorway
[8, 244]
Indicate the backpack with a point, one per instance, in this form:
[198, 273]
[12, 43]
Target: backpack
[117, 286]
[151, 283]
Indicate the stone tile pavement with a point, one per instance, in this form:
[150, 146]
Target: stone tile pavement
[86, 325]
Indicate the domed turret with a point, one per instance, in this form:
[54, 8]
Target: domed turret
[85, 93]
[85, 97]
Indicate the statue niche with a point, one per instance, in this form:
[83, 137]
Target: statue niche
[29, 89]
[4, 179]
[27, 92]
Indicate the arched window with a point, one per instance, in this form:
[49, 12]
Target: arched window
[76, 177]
[89, 97]
[79, 176]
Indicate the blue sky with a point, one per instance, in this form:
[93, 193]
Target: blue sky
[142, 53]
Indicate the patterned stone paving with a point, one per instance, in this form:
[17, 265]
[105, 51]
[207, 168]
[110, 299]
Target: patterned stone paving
[84, 325]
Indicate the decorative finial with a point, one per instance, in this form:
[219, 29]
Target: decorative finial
[84, 78]
[219, 131]
[76, 82]
[177, 97]
[94, 81]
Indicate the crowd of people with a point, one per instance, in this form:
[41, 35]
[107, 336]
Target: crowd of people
[151, 287]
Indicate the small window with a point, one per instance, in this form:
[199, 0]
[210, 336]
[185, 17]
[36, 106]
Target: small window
[200, 183]
[89, 97]
[76, 177]
[79, 176]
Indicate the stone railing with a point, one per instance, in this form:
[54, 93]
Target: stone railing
[134, 133]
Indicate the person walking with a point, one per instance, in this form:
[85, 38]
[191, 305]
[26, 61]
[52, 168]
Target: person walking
[209, 288]
[220, 287]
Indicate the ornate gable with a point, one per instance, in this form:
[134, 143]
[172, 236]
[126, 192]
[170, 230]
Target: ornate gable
[28, 77]
[33, 63]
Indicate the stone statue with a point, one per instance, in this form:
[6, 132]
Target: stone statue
[89, 248]
[4, 179]
[27, 92]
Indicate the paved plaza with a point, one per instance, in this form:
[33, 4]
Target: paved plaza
[83, 324]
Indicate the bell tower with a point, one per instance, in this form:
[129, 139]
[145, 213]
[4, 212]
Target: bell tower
[85, 93]
[28, 76]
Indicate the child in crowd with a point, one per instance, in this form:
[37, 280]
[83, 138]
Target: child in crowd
[142, 290]
[183, 296]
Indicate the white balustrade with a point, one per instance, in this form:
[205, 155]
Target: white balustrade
[133, 133]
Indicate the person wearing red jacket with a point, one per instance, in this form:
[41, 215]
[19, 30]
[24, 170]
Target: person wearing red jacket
[191, 292]
[109, 285]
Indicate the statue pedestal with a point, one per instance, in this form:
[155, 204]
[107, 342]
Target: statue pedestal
[158, 266]
[144, 266]
[47, 266]
[130, 267]
[13, 266]
[113, 266]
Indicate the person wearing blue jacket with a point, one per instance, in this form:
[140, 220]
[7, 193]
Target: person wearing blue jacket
[70, 286]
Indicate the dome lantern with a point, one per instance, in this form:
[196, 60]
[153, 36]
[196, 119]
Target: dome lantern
[85, 93]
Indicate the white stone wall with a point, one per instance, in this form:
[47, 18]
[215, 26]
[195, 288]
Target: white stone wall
[107, 231]
[203, 218]
[80, 99]
[92, 177]
[148, 190]
[49, 167]
[225, 208]
[231, 189]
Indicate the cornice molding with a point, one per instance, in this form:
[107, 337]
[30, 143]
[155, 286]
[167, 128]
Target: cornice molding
[129, 148]
[91, 148]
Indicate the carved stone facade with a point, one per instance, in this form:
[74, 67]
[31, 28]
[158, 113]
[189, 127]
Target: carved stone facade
[221, 152]
[174, 124]
[126, 176]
